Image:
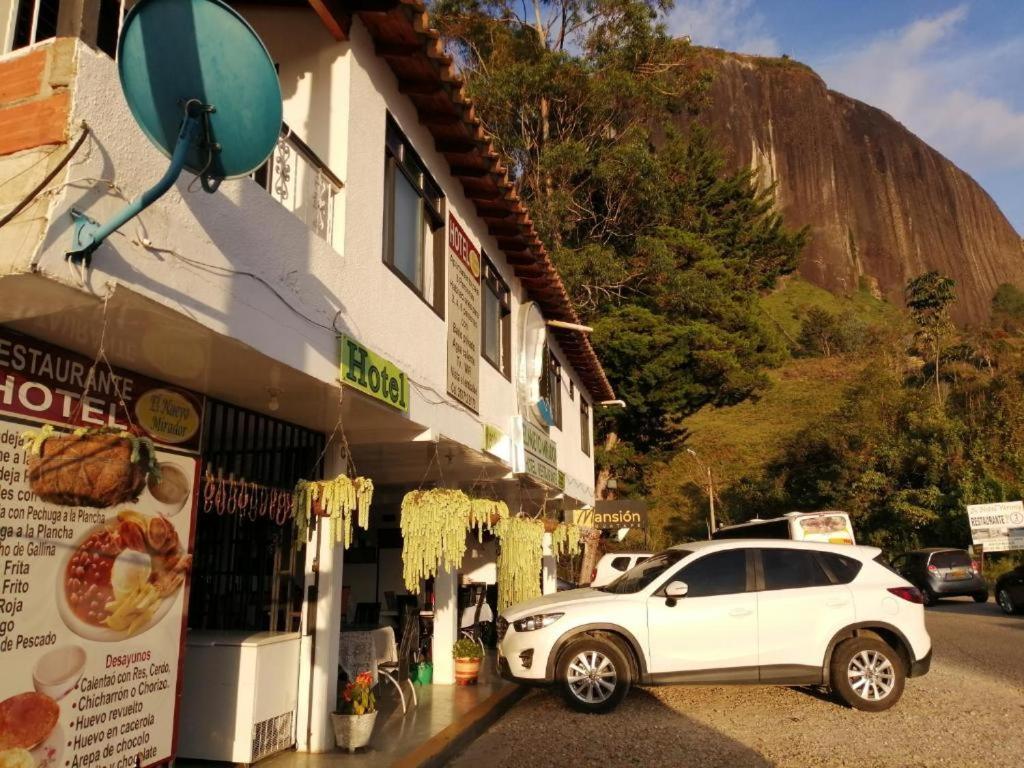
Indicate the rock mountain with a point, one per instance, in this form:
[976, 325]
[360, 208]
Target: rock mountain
[882, 205]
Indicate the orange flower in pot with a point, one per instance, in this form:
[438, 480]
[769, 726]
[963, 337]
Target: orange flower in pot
[468, 654]
[353, 723]
[89, 467]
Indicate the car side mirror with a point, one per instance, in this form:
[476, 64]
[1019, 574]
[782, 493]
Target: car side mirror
[674, 591]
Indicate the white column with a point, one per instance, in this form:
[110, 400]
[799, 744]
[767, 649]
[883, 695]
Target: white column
[446, 625]
[549, 568]
[318, 663]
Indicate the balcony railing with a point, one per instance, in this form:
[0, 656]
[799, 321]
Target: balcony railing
[301, 182]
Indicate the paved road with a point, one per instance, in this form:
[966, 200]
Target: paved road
[969, 711]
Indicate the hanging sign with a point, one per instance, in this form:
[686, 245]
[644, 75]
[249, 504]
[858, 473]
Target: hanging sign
[92, 601]
[373, 375]
[536, 454]
[620, 513]
[43, 382]
[463, 317]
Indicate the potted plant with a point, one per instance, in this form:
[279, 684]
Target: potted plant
[89, 467]
[468, 654]
[353, 722]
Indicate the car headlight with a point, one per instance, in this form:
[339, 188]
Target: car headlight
[539, 621]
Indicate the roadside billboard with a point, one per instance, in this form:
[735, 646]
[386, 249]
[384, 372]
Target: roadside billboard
[997, 527]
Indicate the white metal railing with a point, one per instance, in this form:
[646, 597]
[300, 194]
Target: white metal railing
[33, 35]
[300, 181]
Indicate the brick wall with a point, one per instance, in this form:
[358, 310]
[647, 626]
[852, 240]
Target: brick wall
[35, 100]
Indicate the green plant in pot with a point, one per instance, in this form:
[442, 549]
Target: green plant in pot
[468, 655]
[357, 712]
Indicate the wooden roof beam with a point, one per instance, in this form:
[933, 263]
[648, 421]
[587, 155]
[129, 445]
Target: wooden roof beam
[336, 15]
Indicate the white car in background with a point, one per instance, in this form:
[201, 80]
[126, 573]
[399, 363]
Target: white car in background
[614, 564]
[714, 612]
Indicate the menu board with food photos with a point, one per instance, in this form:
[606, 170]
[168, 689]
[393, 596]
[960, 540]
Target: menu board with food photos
[96, 530]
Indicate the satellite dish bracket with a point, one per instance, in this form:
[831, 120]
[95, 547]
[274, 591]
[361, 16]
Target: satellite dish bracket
[89, 234]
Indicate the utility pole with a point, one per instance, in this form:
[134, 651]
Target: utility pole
[711, 490]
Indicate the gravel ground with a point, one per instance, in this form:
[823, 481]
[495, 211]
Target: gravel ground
[969, 711]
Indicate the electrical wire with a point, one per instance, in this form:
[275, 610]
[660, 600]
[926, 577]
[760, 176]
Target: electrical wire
[37, 190]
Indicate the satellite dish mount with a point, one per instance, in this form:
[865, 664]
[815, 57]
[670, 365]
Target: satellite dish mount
[203, 88]
[89, 234]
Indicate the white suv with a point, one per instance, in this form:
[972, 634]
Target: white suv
[714, 612]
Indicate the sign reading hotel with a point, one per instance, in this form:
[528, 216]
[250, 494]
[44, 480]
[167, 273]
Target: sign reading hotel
[92, 600]
[463, 317]
[42, 382]
[373, 375]
[997, 527]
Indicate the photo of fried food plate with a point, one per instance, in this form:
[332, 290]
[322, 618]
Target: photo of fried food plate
[26, 720]
[16, 758]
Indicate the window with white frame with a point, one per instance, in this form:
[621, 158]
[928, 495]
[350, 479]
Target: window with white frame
[496, 328]
[413, 221]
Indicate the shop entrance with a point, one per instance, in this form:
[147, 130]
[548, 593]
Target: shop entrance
[248, 573]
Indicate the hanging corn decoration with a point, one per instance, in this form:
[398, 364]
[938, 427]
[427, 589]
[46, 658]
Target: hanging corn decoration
[434, 525]
[336, 500]
[519, 560]
[566, 539]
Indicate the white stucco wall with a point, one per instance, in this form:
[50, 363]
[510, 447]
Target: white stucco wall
[337, 96]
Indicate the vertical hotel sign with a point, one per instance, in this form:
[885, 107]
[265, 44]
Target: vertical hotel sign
[463, 317]
[93, 599]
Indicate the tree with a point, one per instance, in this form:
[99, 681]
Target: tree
[661, 249]
[928, 299]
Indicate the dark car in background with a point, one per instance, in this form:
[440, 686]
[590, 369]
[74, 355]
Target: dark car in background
[942, 572]
[1010, 590]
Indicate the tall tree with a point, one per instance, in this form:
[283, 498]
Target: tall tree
[928, 298]
[663, 251]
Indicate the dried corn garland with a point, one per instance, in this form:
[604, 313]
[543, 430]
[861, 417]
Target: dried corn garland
[566, 539]
[434, 525]
[337, 499]
[519, 561]
[482, 513]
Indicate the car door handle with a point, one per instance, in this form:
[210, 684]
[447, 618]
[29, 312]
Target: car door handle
[838, 602]
[741, 612]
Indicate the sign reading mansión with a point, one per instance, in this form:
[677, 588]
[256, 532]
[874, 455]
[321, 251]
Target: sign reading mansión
[463, 317]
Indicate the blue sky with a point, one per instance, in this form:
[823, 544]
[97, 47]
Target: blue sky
[951, 71]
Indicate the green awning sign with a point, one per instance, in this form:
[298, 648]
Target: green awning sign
[372, 374]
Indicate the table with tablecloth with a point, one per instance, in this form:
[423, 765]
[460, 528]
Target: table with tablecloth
[362, 650]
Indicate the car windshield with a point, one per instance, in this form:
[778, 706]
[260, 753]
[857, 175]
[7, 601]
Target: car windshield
[639, 576]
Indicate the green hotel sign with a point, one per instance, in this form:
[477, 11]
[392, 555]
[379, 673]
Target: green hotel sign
[370, 373]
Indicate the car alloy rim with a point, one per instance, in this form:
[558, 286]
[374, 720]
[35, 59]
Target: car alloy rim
[591, 677]
[872, 676]
[1004, 601]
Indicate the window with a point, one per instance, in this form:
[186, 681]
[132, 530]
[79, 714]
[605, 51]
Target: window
[952, 559]
[551, 387]
[585, 426]
[842, 570]
[620, 564]
[496, 328]
[792, 569]
[720, 573]
[413, 221]
[640, 576]
[46, 26]
[770, 529]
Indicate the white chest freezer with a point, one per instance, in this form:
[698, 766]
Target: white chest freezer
[240, 695]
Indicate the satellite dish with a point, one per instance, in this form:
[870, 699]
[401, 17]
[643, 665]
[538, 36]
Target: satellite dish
[202, 87]
[531, 364]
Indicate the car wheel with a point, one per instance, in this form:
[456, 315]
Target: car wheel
[980, 597]
[867, 674]
[1005, 601]
[594, 674]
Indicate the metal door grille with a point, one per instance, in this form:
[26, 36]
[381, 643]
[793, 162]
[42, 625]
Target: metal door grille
[247, 574]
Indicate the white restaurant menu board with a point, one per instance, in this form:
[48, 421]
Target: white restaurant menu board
[92, 616]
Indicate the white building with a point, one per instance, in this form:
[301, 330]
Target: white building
[347, 240]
